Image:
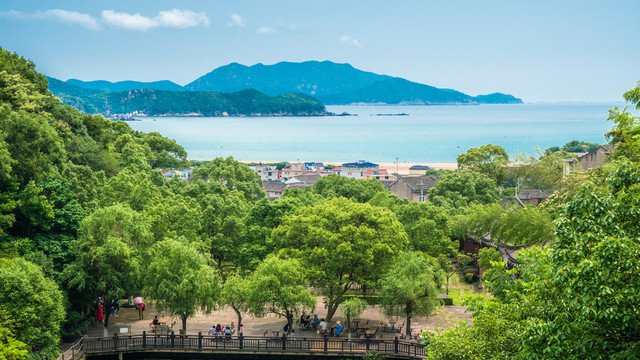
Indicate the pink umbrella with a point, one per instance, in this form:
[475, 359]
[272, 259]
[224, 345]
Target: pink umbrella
[138, 300]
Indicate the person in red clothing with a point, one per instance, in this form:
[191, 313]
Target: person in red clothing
[99, 314]
[141, 307]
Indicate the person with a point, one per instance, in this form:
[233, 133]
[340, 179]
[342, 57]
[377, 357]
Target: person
[99, 314]
[213, 330]
[287, 328]
[227, 332]
[266, 333]
[232, 328]
[323, 326]
[141, 307]
[315, 321]
[241, 330]
[338, 330]
[155, 320]
[303, 321]
[219, 328]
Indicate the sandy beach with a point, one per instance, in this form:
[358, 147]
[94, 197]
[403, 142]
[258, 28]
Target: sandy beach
[399, 168]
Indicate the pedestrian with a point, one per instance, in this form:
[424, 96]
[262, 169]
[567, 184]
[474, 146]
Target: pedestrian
[99, 314]
[141, 308]
[241, 330]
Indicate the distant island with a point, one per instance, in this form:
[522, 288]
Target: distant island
[329, 82]
[128, 104]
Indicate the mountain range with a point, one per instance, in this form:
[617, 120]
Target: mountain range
[329, 82]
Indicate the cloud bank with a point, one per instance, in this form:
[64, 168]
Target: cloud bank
[175, 18]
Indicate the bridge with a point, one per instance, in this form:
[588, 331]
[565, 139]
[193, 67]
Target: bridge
[172, 346]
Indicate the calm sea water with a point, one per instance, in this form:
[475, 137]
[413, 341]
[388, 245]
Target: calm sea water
[429, 134]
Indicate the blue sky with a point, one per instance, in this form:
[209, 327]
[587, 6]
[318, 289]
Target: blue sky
[537, 50]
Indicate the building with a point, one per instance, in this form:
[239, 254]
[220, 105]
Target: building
[381, 174]
[413, 188]
[531, 197]
[266, 172]
[356, 169]
[596, 158]
[274, 189]
[417, 170]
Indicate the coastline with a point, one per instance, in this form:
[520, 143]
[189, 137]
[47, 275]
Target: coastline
[399, 168]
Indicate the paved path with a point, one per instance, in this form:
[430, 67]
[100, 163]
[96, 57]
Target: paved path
[446, 317]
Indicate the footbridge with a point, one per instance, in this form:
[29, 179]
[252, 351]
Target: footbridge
[172, 346]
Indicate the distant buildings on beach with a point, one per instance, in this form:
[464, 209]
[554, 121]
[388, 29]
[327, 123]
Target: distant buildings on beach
[302, 174]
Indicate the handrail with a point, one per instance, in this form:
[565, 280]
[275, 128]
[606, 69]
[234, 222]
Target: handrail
[247, 343]
[75, 348]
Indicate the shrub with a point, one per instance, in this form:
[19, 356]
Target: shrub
[470, 277]
[446, 301]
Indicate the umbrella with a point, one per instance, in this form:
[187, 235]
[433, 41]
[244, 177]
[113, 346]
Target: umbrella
[138, 300]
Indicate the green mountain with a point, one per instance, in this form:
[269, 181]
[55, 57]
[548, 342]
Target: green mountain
[108, 86]
[334, 83]
[150, 102]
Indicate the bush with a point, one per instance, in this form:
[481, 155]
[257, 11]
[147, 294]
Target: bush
[470, 277]
[470, 271]
[446, 301]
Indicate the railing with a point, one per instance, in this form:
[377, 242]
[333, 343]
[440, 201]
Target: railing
[251, 344]
[72, 353]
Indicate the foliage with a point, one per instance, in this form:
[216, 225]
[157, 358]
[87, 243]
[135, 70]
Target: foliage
[463, 187]
[32, 304]
[233, 175]
[543, 172]
[10, 348]
[411, 286]
[427, 226]
[333, 186]
[353, 308]
[575, 146]
[180, 280]
[235, 293]
[625, 134]
[175, 103]
[341, 243]
[486, 256]
[486, 159]
[278, 286]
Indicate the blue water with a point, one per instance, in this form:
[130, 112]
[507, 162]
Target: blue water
[430, 134]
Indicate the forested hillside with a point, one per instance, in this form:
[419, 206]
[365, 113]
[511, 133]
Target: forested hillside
[85, 212]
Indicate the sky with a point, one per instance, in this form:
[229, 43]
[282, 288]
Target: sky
[540, 51]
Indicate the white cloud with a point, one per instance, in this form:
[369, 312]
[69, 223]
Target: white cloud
[182, 18]
[266, 30]
[350, 41]
[64, 16]
[72, 17]
[175, 18]
[236, 20]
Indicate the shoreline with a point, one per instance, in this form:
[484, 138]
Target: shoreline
[399, 168]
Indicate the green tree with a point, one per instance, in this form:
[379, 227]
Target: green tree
[486, 256]
[486, 159]
[352, 308]
[341, 243]
[411, 287]
[33, 306]
[427, 226]
[180, 280]
[625, 134]
[463, 187]
[110, 252]
[278, 286]
[341, 186]
[235, 293]
[10, 348]
[232, 175]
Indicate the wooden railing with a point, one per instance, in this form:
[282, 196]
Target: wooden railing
[201, 343]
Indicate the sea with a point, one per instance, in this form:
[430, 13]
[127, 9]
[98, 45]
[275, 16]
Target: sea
[404, 134]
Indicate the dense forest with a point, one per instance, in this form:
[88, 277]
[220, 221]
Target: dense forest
[85, 211]
[151, 102]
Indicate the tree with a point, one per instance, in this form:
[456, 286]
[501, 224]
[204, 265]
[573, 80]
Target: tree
[180, 280]
[463, 187]
[626, 131]
[235, 293]
[357, 190]
[110, 252]
[32, 305]
[450, 266]
[278, 286]
[427, 226]
[10, 348]
[411, 287]
[232, 175]
[486, 159]
[352, 308]
[486, 256]
[341, 243]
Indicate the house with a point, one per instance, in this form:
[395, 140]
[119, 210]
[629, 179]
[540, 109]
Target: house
[595, 158]
[266, 172]
[307, 179]
[531, 197]
[184, 174]
[356, 169]
[381, 174]
[274, 189]
[314, 166]
[419, 169]
[414, 188]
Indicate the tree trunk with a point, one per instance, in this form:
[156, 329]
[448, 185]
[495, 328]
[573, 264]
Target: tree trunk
[239, 315]
[409, 310]
[184, 324]
[331, 310]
